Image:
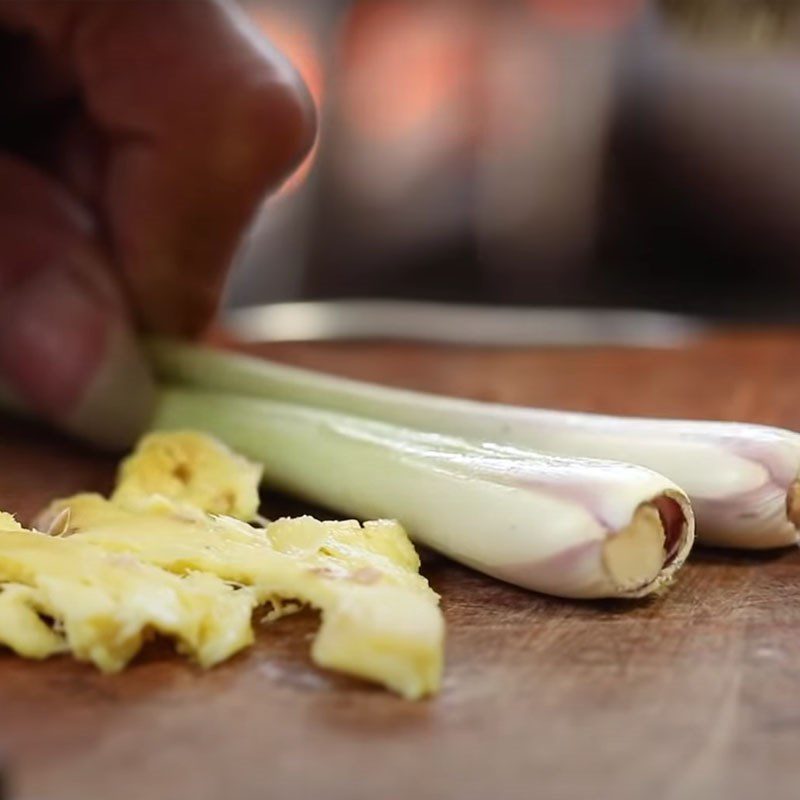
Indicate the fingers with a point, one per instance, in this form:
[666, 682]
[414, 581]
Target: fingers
[200, 118]
[66, 349]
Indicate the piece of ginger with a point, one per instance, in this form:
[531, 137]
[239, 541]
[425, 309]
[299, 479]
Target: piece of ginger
[189, 468]
[380, 619]
[106, 604]
[158, 556]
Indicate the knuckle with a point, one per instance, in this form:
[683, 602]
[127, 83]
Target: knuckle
[282, 126]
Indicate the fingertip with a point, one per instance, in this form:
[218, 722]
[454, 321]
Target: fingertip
[67, 352]
[118, 404]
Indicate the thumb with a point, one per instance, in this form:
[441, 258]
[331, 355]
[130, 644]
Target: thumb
[67, 351]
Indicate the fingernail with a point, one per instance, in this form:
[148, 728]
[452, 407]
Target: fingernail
[66, 352]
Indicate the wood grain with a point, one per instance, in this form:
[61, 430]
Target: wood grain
[693, 695]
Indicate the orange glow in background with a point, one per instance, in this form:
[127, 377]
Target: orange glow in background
[403, 63]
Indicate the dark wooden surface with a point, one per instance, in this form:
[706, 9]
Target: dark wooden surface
[693, 695]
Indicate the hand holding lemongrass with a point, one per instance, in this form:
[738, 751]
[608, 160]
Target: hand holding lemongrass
[136, 141]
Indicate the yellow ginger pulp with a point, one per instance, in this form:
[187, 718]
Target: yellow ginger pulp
[159, 562]
[192, 469]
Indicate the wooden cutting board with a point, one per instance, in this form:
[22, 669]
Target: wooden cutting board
[693, 695]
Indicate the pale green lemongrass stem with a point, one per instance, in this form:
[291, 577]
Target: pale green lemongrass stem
[742, 479]
[574, 528]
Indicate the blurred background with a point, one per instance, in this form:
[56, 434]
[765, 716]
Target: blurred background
[588, 153]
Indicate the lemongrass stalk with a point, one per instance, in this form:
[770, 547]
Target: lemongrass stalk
[574, 528]
[742, 479]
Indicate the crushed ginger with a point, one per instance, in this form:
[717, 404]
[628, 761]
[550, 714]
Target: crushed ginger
[159, 557]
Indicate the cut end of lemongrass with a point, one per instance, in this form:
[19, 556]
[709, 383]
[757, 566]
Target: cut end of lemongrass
[635, 556]
[645, 553]
[793, 504]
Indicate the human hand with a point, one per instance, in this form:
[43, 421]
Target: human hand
[137, 139]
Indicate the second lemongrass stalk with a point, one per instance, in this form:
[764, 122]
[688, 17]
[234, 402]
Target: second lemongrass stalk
[568, 527]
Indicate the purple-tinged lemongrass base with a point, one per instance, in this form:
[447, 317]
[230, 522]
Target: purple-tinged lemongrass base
[765, 517]
[665, 522]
